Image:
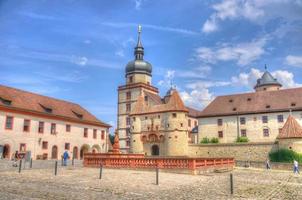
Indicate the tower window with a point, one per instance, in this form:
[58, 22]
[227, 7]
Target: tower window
[131, 79]
[242, 120]
[146, 98]
[128, 107]
[128, 121]
[189, 122]
[174, 115]
[128, 95]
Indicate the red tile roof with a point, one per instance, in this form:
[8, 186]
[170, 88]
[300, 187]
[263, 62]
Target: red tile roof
[291, 129]
[37, 104]
[256, 102]
[173, 104]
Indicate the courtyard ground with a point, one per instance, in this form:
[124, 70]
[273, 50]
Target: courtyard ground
[84, 183]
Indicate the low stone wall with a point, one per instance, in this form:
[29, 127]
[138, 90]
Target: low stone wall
[239, 151]
[261, 165]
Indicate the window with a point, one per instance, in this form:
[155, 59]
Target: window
[44, 145]
[128, 107]
[146, 118]
[265, 132]
[67, 146]
[231, 100]
[94, 133]
[181, 124]
[242, 120]
[243, 132]
[53, 128]
[264, 119]
[195, 123]
[234, 109]
[146, 98]
[220, 134]
[280, 118]
[267, 106]
[127, 132]
[79, 115]
[158, 116]
[26, 125]
[174, 115]
[127, 143]
[189, 122]
[219, 122]
[103, 135]
[128, 95]
[9, 122]
[156, 127]
[128, 121]
[293, 104]
[134, 119]
[130, 79]
[68, 127]
[22, 147]
[41, 127]
[85, 132]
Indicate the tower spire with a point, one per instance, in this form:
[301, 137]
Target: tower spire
[139, 49]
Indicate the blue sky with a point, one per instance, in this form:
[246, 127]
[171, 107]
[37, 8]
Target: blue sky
[77, 50]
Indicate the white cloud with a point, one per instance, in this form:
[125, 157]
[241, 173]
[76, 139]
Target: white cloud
[120, 53]
[197, 98]
[294, 60]
[151, 26]
[138, 4]
[87, 41]
[79, 60]
[168, 79]
[257, 11]
[242, 53]
[249, 79]
[210, 25]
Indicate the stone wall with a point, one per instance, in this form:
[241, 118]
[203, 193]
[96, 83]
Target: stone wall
[242, 151]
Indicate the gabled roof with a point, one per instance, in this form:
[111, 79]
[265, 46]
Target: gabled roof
[256, 102]
[173, 104]
[291, 129]
[32, 103]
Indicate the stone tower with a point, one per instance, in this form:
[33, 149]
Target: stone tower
[138, 76]
[160, 128]
[267, 82]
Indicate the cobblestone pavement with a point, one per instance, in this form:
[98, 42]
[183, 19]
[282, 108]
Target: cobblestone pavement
[84, 183]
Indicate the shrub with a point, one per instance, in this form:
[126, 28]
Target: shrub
[205, 140]
[214, 140]
[242, 139]
[285, 155]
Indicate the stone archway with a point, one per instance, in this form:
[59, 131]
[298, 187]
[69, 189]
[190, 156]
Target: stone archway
[54, 152]
[84, 149]
[96, 148]
[75, 153]
[6, 151]
[155, 150]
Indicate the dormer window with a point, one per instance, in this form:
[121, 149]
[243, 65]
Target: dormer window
[6, 101]
[267, 106]
[80, 116]
[234, 109]
[46, 109]
[249, 99]
[231, 100]
[293, 104]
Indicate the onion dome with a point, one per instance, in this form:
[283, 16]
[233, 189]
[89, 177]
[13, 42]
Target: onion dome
[139, 65]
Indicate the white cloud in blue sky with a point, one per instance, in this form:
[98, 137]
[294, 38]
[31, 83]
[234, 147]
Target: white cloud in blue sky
[77, 50]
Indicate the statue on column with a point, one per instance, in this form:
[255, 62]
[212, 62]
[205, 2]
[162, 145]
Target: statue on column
[116, 145]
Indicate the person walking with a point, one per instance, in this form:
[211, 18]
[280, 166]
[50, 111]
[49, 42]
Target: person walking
[296, 167]
[268, 165]
[16, 156]
[65, 158]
